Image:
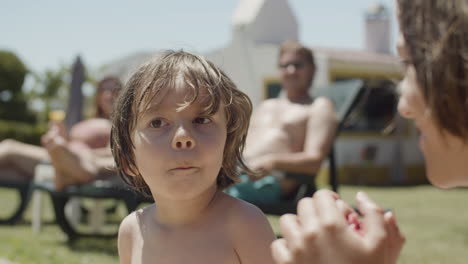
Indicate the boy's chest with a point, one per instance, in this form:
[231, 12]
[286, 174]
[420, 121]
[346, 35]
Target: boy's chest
[185, 247]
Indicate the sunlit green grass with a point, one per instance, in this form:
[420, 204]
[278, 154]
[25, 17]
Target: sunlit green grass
[434, 221]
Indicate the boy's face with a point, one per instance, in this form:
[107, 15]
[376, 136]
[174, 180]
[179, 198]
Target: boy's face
[179, 152]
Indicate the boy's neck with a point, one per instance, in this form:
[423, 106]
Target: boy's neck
[182, 213]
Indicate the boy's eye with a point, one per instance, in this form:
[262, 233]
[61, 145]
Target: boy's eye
[201, 120]
[157, 123]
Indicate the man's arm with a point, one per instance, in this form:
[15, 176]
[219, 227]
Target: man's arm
[320, 134]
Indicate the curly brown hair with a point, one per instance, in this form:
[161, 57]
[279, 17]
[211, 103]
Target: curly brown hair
[436, 38]
[152, 79]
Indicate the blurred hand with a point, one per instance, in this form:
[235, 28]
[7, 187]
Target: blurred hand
[326, 230]
[263, 166]
[54, 136]
[58, 127]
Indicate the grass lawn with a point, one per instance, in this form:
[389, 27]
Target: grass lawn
[434, 221]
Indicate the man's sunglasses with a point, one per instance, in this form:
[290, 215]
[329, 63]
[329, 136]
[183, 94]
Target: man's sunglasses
[296, 65]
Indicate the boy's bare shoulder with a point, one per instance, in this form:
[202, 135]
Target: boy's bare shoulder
[239, 214]
[237, 209]
[249, 230]
[128, 225]
[243, 214]
[126, 239]
[130, 232]
[129, 228]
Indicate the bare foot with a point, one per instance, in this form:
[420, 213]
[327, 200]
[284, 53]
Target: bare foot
[70, 167]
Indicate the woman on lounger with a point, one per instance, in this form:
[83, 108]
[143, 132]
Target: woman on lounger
[78, 156]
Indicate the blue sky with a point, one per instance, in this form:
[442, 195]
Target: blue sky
[47, 33]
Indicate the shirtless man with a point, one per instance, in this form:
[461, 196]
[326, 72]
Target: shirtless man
[293, 133]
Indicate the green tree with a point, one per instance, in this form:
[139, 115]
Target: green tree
[50, 88]
[13, 105]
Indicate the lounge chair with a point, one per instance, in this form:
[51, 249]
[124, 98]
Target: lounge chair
[22, 188]
[109, 188]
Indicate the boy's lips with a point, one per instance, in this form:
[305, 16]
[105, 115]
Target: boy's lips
[183, 171]
[183, 168]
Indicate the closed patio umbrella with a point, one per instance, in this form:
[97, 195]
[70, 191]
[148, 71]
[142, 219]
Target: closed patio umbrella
[74, 112]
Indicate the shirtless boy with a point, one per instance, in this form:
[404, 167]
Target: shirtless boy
[178, 134]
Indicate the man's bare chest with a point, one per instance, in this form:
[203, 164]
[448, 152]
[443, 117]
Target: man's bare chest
[286, 115]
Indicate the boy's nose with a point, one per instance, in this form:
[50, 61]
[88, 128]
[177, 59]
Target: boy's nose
[404, 106]
[404, 109]
[182, 140]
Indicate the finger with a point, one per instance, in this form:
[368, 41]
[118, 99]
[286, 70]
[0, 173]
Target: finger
[396, 236]
[330, 216]
[346, 211]
[280, 252]
[306, 214]
[331, 193]
[350, 215]
[373, 223]
[355, 223]
[310, 226]
[290, 229]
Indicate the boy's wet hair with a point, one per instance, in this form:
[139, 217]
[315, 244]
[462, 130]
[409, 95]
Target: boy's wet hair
[436, 38]
[151, 81]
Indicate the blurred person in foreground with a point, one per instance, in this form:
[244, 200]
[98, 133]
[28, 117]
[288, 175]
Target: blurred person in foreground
[433, 45]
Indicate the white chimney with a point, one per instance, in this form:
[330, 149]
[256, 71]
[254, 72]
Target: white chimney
[265, 21]
[378, 29]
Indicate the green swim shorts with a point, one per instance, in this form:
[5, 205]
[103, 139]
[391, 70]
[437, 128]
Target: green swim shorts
[264, 190]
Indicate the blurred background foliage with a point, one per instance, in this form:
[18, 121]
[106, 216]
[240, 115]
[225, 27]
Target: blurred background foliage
[24, 112]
